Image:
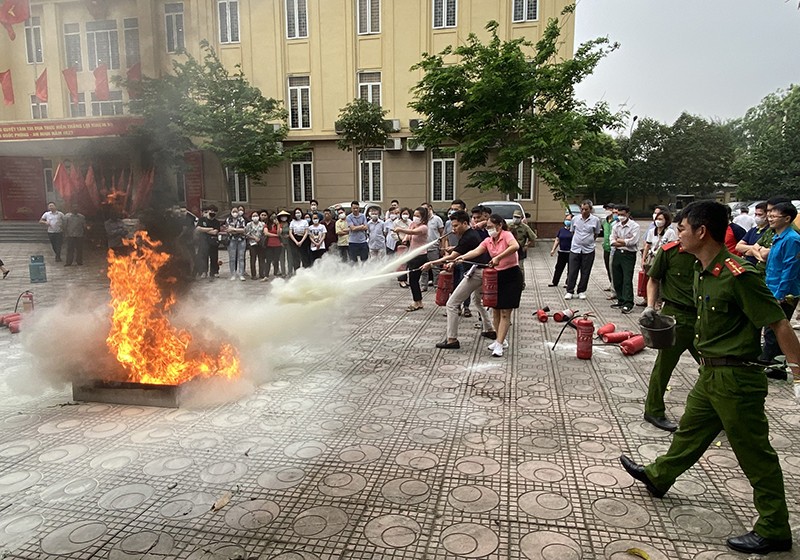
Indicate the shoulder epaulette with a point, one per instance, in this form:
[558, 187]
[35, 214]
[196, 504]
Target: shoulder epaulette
[735, 268]
[672, 245]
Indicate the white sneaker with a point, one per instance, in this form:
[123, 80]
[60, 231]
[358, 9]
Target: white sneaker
[492, 346]
[497, 352]
[568, 296]
[582, 295]
[233, 278]
[242, 278]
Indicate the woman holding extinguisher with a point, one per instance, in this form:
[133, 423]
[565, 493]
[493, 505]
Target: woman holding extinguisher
[417, 234]
[502, 247]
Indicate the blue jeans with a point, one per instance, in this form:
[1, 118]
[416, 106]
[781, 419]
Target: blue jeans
[236, 249]
[358, 251]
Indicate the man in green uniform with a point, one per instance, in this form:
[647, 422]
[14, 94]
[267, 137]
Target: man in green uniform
[733, 304]
[671, 273]
[525, 237]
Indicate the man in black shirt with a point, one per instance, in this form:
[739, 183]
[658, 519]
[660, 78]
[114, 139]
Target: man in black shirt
[468, 239]
[208, 244]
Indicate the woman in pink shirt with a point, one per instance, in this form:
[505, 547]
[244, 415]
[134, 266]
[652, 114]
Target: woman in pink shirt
[418, 234]
[502, 247]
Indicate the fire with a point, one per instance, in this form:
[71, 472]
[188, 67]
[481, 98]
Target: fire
[141, 338]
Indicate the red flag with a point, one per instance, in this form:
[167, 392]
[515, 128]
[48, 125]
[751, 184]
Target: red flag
[14, 11]
[134, 77]
[75, 180]
[91, 187]
[71, 78]
[61, 181]
[41, 87]
[7, 87]
[101, 83]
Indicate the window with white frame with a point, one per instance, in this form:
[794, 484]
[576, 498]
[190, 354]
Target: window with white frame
[102, 40]
[296, 19]
[72, 46]
[173, 17]
[525, 10]
[369, 86]
[299, 102]
[38, 109]
[33, 40]
[107, 108]
[237, 185]
[444, 13]
[131, 29]
[369, 16]
[443, 176]
[371, 179]
[228, 21]
[47, 168]
[303, 177]
[526, 176]
[77, 109]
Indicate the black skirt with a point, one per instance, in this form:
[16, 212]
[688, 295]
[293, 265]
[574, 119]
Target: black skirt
[509, 288]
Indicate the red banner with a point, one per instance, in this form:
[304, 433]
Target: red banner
[41, 87]
[101, 91]
[74, 128]
[14, 11]
[71, 78]
[22, 189]
[7, 86]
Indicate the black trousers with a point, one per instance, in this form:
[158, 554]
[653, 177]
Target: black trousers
[414, 275]
[579, 263]
[771, 346]
[74, 250]
[207, 256]
[561, 264]
[257, 255]
[56, 240]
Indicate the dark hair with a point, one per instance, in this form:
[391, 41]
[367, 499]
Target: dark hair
[212, 207]
[609, 206]
[777, 200]
[394, 200]
[460, 216]
[660, 207]
[296, 210]
[761, 206]
[623, 208]
[712, 215]
[460, 203]
[745, 209]
[667, 218]
[423, 214]
[486, 209]
[589, 203]
[786, 209]
[476, 210]
[405, 209]
[356, 203]
[499, 220]
[570, 214]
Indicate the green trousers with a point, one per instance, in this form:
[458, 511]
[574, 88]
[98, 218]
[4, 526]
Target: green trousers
[622, 266]
[668, 358]
[730, 398]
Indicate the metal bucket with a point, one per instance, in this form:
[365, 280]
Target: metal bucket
[658, 333]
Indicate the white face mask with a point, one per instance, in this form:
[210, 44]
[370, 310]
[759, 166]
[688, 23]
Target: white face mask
[298, 215]
[341, 215]
[761, 221]
[517, 220]
[234, 214]
[392, 216]
[373, 217]
[417, 219]
[405, 217]
[315, 220]
[492, 232]
[255, 219]
[661, 223]
[623, 219]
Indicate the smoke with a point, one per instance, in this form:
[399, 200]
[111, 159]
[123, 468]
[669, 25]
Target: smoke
[296, 321]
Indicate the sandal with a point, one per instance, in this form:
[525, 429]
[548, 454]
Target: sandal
[411, 308]
[467, 312]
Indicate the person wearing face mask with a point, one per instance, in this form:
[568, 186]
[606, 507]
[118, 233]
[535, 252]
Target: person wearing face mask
[314, 209]
[330, 231]
[376, 234]
[390, 239]
[299, 241]
[287, 260]
[316, 236]
[656, 237]
[234, 227]
[208, 245]
[342, 235]
[417, 234]
[625, 240]
[452, 240]
[502, 247]
[357, 240]
[435, 231]
[255, 236]
[402, 222]
[586, 228]
[562, 244]
[394, 208]
[747, 245]
[525, 237]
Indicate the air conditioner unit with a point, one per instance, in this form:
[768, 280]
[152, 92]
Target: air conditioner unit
[337, 127]
[414, 145]
[394, 124]
[414, 124]
[393, 144]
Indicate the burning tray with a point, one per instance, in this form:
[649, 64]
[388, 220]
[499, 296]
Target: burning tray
[122, 392]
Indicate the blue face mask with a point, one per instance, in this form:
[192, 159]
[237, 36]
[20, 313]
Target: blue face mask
[567, 223]
[616, 218]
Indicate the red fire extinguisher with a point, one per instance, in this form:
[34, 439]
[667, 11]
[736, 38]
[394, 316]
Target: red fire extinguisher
[489, 287]
[27, 301]
[633, 345]
[641, 288]
[444, 287]
[585, 332]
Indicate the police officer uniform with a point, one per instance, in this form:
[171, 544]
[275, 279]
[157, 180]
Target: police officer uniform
[524, 235]
[733, 304]
[674, 269]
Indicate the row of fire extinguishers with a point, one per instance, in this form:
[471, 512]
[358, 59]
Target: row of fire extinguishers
[13, 321]
[629, 342]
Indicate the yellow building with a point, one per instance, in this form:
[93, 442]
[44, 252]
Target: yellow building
[314, 55]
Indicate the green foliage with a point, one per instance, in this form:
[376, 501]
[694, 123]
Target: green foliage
[202, 105]
[768, 154]
[498, 103]
[361, 126]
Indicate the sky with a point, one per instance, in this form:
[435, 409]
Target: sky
[711, 58]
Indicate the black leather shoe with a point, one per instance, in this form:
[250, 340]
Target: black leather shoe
[661, 423]
[637, 472]
[753, 543]
[489, 334]
[449, 345]
[552, 285]
[615, 305]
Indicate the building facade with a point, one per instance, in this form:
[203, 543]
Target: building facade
[314, 55]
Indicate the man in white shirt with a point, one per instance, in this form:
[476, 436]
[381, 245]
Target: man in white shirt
[744, 219]
[585, 229]
[625, 240]
[54, 220]
[435, 231]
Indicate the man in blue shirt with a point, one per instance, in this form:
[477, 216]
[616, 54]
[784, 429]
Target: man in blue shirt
[747, 245]
[783, 274]
[357, 224]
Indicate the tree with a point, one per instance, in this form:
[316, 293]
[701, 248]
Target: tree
[362, 126]
[502, 102]
[768, 156]
[605, 170]
[643, 154]
[202, 105]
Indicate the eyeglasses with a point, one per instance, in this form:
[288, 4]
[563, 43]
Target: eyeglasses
[772, 216]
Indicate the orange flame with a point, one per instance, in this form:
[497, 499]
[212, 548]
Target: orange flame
[141, 338]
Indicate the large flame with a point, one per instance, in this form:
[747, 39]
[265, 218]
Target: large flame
[142, 339]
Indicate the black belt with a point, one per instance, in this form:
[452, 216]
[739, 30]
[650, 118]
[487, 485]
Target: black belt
[727, 362]
[680, 307]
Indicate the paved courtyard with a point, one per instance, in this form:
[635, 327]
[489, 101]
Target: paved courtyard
[380, 447]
